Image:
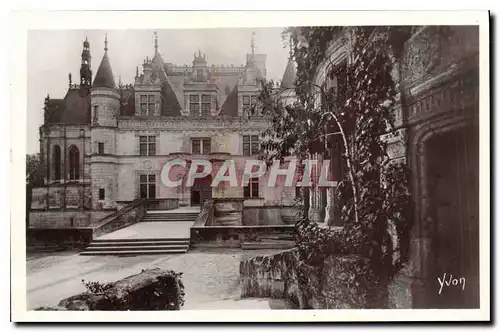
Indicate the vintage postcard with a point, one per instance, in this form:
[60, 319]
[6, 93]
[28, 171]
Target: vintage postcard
[245, 166]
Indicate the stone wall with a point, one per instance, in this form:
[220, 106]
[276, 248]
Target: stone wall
[266, 215]
[234, 236]
[344, 281]
[65, 219]
[37, 238]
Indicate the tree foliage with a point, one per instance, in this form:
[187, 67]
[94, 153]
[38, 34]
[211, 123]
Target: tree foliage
[355, 101]
[35, 170]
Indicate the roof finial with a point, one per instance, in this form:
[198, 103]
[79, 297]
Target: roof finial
[69, 76]
[137, 71]
[291, 47]
[156, 43]
[119, 81]
[252, 44]
[106, 42]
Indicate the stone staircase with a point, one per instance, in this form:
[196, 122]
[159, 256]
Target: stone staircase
[158, 232]
[170, 217]
[133, 247]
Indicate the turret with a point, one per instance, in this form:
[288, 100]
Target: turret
[105, 97]
[105, 103]
[85, 69]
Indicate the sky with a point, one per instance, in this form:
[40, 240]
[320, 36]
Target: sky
[53, 54]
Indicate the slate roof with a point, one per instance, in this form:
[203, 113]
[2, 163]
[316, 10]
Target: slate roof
[230, 106]
[288, 80]
[170, 102]
[73, 109]
[104, 77]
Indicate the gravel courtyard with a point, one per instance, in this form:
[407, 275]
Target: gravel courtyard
[210, 276]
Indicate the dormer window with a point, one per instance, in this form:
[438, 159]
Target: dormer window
[200, 105]
[147, 105]
[200, 77]
[249, 104]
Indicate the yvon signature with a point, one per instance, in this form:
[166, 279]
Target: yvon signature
[456, 282]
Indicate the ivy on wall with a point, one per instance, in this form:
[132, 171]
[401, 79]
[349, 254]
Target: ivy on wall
[358, 110]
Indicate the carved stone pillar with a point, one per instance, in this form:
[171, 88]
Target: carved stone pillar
[240, 105]
[330, 206]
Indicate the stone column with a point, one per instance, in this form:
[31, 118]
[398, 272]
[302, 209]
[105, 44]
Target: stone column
[240, 105]
[330, 206]
[315, 199]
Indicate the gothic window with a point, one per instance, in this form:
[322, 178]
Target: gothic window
[205, 105]
[56, 158]
[200, 146]
[252, 189]
[74, 163]
[251, 145]
[147, 186]
[194, 105]
[147, 145]
[147, 105]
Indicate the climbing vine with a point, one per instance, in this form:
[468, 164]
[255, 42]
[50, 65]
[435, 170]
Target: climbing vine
[355, 103]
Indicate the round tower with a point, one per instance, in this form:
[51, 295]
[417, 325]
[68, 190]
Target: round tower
[105, 108]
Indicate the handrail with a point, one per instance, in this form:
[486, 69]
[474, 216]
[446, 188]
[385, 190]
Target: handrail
[206, 215]
[121, 212]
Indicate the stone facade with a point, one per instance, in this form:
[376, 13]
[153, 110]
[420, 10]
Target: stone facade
[130, 131]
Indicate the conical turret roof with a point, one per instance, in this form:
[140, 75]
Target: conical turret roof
[104, 77]
[288, 81]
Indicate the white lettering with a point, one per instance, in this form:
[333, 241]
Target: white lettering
[230, 166]
[165, 173]
[248, 174]
[193, 171]
[323, 177]
[306, 177]
[288, 172]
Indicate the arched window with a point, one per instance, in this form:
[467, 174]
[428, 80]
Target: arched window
[74, 163]
[56, 158]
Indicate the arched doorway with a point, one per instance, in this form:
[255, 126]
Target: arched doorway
[201, 190]
[451, 184]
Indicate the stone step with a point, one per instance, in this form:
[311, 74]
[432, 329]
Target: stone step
[169, 219]
[227, 223]
[228, 218]
[138, 243]
[267, 245]
[134, 253]
[171, 214]
[139, 248]
[143, 240]
[283, 237]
